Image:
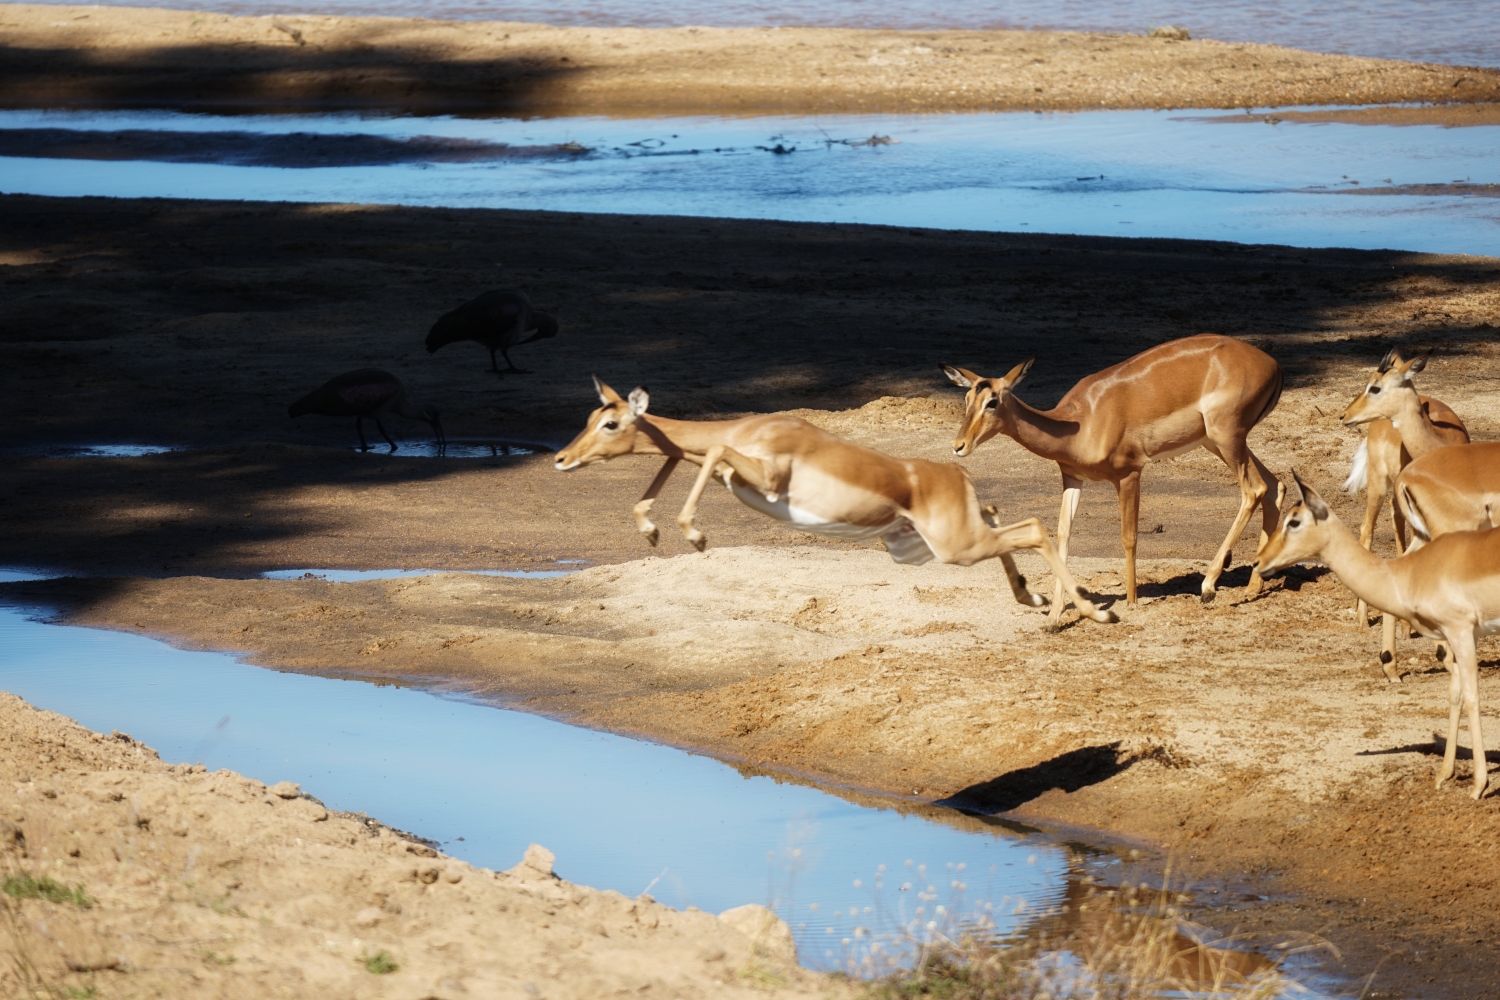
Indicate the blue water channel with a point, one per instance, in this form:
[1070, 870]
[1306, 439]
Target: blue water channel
[1193, 175]
[620, 813]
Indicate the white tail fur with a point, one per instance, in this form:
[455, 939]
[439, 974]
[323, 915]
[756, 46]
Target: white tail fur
[1414, 518]
[1359, 475]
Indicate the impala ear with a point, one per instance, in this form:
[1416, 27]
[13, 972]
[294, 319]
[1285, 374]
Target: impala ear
[960, 377]
[1280, 495]
[1310, 499]
[1392, 359]
[1016, 374]
[606, 394]
[639, 400]
[1416, 364]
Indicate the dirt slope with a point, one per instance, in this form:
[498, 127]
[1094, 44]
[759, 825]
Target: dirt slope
[213, 885]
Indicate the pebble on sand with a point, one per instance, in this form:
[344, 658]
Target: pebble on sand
[286, 790]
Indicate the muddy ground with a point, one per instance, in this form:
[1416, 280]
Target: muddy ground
[1254, 741]
[169, 881]
[52, 56]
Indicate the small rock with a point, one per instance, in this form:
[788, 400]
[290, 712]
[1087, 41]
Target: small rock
[368, 917]
[420, 850]
[536, 864]
[769, 935]
[1171, 33]
[453, 875]
[286, 790]
[427, 875]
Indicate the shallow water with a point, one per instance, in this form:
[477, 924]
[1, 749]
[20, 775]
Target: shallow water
[1122, 173]
[93, 450]
[619, 813]
[1463, 32]
[355, 575]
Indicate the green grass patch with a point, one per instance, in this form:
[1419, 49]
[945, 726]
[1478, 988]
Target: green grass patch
[380, 963]
[24, 886]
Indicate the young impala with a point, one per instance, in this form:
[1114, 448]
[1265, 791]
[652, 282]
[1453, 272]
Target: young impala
[1385, 453]
[811, 480]
[1449, 589]
[1206, 391]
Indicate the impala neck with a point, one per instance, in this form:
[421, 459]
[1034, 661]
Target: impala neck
[1359, 569]
[689, 439]
[1038, 432]
[1415, 427]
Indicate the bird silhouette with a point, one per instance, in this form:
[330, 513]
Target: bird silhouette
[499, 320]
[368, 392]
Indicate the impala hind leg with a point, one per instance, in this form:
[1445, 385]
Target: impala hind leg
[1029, 534]
[1253, 488]
[1463, 689]
[642, 509]
[1072, 492]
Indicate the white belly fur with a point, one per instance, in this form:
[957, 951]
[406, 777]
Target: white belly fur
[1167, 456]
[902, 540]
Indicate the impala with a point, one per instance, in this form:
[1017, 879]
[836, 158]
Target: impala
[1446, 487]
[811, 480]
[1449, 589]
[1204, 391]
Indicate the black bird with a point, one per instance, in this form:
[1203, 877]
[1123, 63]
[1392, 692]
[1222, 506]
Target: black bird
[499, 320]
[368, 392]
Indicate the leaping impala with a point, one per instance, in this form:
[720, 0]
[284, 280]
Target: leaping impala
[1382, 455]
[1449, 589]
[1206, 390]
[811, 480]
[1447, 487]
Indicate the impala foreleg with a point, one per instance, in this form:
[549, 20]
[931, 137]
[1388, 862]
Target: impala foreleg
[1466, 668]
[751, 470]
[690, 509]
[642, 509]
[1029, 534]
[1455, 707]
[1072, 492]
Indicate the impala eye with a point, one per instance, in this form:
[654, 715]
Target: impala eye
[993, 403]
[1374, 390]
[1293, 524]
[611, 425]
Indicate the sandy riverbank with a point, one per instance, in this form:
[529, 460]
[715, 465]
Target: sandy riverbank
[105, 56]
[1258, 740]
[214, 885]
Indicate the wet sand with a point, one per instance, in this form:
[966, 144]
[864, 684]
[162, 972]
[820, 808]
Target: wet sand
[1256, 741]
[122, 57]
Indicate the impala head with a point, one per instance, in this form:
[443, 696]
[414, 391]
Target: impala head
[610, 432]
[1382, 396]
[1301, 534]
[984, 405]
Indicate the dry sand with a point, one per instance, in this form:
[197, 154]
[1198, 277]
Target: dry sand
[213, 885]
[111, 56]
[1253, 740]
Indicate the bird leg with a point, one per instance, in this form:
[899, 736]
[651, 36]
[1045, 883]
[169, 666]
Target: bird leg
[359, 428]
[513, 370]
[385, 435]
[495, 365]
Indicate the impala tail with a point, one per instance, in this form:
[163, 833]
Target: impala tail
[1359, 473]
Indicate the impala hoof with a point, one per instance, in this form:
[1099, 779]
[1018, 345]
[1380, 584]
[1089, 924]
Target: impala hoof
[653, 536]
[1207, 597]
[700, 543]
[1106, 617]
[1038, 601]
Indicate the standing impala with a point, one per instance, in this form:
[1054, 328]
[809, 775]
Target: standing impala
[1447, 487]
[1206, 390]
[811, 480]
[1449, 589]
